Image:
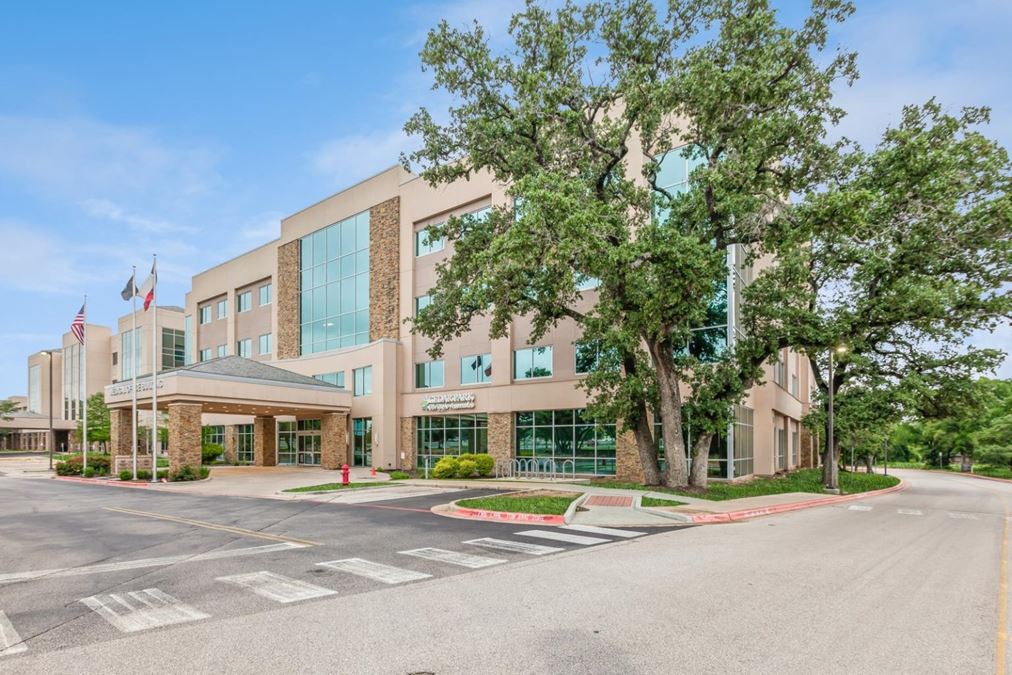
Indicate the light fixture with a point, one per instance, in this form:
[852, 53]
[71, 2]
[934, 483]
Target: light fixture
[841, 349]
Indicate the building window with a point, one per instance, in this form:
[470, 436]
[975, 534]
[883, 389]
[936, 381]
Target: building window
[244, 443]
[780, 443]
[421, 302]
[439, 435]
[573, 441]
[187, 340]
[780, 369]
[222, 309]
[795, 367]
[361, 441]
[205, 314]
[214, 434]
[334, 286]
[332, 378]
[585, 283]
[588, 356]
[244, 348]
[173, 348]
[265, 294]
[362, 381]
[244, 301]
[429, 374]
[265, 344]
[744, 437]
[795, 445]
[35, 389]
[205, 354]
[288, 443]
[115, 358]
[222, 350]
[131, 346]
[476, 369]
[424, 244]
[532, 363]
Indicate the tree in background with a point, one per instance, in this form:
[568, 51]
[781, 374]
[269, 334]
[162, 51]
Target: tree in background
[98, 421]
[7, 410]
[741, 100]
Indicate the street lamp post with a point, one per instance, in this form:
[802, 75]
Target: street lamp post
[833, 483]
[50, 440]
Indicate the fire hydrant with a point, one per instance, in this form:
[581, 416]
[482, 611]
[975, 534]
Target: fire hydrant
[345, 472]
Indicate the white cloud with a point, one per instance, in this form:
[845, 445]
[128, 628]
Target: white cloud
[105, 208]
[351, 158]
[34, 260]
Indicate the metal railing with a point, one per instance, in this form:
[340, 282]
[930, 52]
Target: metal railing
[535, 469]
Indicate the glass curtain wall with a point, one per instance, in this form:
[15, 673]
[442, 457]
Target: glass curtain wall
[727, 451]
[439, 435]
[564, 435]
[334, 285]
[244, 443]
[287, 443]
[361, 436]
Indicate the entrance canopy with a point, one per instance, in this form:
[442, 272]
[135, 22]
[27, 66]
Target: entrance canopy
[236, 386]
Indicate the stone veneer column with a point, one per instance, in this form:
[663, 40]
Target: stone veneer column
[627, 456]
[407, 444]
[384, 270]
[334, 440]
[806, 456]
[231, 443]
[500, 436]
[265, 441]
[184, 436]
[120, 433]
[286, 298]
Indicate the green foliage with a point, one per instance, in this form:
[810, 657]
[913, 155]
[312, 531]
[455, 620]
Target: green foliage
[521, 503]
[143, 474]
[188, 473]
[447, 467]
[210, 452]
[399, 475]
[127, 474]
[466, 468]
[98, 420]
[486, 464]
[89, 472]
[74, 464]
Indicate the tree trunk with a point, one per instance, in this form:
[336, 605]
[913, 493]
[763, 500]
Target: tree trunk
[700, 461]
[670, 409]
[647, 447]
[869, 463]
[830, 470]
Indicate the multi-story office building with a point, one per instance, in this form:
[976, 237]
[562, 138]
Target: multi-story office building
[328, 300]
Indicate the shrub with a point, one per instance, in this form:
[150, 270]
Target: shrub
[61, 469]
[143, 474]
[204, 472]
[447, 467]
[399, 475]
[486, 464]
[466, 456]
[126, 474]
[74, 465]
[209, 452]
[466, 468]
[89, 472]
[187, 472]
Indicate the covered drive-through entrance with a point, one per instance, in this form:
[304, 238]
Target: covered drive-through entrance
[232, 385]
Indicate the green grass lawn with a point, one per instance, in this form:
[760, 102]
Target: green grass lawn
[554, 505]
[325, 487]
[654, 501]
[805, 480]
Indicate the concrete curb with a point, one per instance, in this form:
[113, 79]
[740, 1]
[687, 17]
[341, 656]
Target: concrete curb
[672, 515]
[107, 483]
[968, 475]
[747, 514]
[567, 517]
[453, 511]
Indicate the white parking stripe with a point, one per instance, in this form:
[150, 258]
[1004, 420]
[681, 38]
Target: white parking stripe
[514, 546]
[277, 587]
[388, 574]
[141, 610]
[856, 507]
[10, 641]
[607, 531]
[910, 512]
[454, 557]
[963, 516]
[562, 536]
[14, 577]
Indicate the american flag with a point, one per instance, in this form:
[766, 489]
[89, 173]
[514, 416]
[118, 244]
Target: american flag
[77, 326]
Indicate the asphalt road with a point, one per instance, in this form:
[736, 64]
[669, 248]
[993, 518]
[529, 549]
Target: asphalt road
[909, 582]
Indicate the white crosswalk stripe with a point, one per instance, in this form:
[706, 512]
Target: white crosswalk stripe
[10, 641]
[856, 507]
[910, 512]
[142, 610]
[607, 531]
[580, 539]
[513, 546]
[474, 562]
[277, 587]
[963, 516]
[388, 574]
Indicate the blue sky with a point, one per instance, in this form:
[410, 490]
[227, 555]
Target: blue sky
[190, 128]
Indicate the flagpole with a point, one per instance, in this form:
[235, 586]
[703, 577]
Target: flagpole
[84, 383]
[154, 371]
[133, 363]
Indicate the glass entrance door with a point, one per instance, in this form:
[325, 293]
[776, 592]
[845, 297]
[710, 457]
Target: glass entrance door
[361, 441]
[309, 449]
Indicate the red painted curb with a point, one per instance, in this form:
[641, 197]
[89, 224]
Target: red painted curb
[506, 516]
[746, 514]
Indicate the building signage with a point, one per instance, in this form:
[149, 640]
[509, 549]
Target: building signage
[127, 388]
[448, 402]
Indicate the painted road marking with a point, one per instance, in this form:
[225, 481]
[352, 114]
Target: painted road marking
[277, 587]
[213, 526]
[454, 557]
[388, 574]
[514, 546]
[910, 512]
[394, 492]
[857, 507]
[562, 536]
[142, 610]
[608, 531]
[142, 563]
[963, 516]
[10, 641]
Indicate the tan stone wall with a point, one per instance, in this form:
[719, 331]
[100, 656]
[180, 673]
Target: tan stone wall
[184, 436]
[334, 440]
[627, 457]
[231, 443]
[500, 436]
[384, 269]
[286, 298]
[120, 431]
[407, 447]
[265, 441]
[807, 458]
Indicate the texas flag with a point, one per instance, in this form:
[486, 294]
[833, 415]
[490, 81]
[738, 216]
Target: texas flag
[147, 289]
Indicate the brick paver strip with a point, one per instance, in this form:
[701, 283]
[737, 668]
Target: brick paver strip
[601, 500]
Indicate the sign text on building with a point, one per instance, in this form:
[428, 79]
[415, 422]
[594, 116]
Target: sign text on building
[448, 402]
